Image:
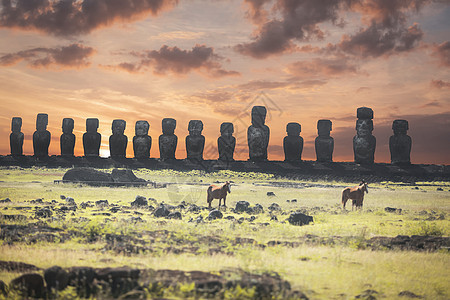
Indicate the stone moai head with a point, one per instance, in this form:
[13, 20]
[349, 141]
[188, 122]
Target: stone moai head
[258, 116]
[195, 127]
[16, 124]
[92, 125]
[168, 126]
[227, 129]
[67, 125]
[324, 127]
[364, 113]
[41, 122]
[364, 124]
[293, 129]
[118, 126]
[141, 128]
[400, 127]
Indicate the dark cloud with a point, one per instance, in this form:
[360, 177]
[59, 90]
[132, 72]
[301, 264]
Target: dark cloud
[70, 17]
[72, 56]
[385, 30]
[177, 61]
[439, 84]
[442, 51]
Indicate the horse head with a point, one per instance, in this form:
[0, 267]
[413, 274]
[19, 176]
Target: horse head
[364, 186]
[228, 186]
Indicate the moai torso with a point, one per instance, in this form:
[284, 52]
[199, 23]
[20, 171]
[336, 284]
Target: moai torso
[226, 142]
[41, 137]
[324, 142]
[118, 140]
[258, 135]
[142, 142]
[67, 139]
[400, 143]
[364, 142]
[195, 141]
[168, 140]
[91, 138]
[293, 143]
[16, 137]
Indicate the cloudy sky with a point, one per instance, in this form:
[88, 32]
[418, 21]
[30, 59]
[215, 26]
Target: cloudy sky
[213, 60]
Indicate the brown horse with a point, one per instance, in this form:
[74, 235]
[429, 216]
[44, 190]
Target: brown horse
[355, 193]
[218, 192]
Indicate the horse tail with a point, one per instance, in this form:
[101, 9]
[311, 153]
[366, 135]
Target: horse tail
[344, 197]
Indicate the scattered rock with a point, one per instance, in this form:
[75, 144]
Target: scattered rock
[194, 208]
[298, 218]
[70, 201]
[215, 214]
[37, 201]
[102, 203]
[82, 278]
[62, 197]
[3, 288]
[174, 215]
[56, 278]
[16, 218]
[231, 218]
[6, 200]
[139, 201]
[367, 295]
[242, 206]
[439, 189]
[257, 209]
[273, 218]
[293, 200]
[29, 285]
[393, 210]
[274, 207]
[270, 194]
[43, 213]
[119, 280]
[161, 211]
[409, 294]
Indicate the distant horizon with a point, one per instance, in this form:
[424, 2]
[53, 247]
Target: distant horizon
[304, 60]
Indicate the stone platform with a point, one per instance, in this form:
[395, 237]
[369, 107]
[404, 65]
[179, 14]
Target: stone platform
[307, 170]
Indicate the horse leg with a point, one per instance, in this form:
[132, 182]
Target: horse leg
[344, 199]
[209, 200]
[224, 199]
[220, 200]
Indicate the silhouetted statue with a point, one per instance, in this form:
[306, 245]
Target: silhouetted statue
[16, 137]
[400, 143]
[91, 138]
[293, 143]
[258, 135]
[118, 141]
[324, 142]
[41, 137]
[142, 142]
[67, 139]
[226, 142]
[364, 142]
[195, 141]
[168, 140]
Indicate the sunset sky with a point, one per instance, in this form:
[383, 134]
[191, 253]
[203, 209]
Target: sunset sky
[213, 60]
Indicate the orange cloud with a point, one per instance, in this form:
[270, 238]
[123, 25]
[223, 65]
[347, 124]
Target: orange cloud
[442, 51]
[72, 56]
[75, 17]
[439, 84]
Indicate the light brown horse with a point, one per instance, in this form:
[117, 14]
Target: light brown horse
[355, 193]
[218, 192]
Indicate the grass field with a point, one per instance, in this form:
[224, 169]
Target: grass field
[331, 258]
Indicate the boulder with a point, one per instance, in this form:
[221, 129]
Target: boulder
[175, 215]
[215, 214]
[298, 218]
[102, 203]
[56, 278]
[43, 213]
[87, 175]
[124, 175]
[274, 207]
[82, 278]
[29, 285]
[139, 201]
[241, 206]
[121, 280]
[161, 211]
[257, 209]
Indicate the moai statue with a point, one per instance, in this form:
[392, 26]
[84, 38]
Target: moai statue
[400, 143]
[118, 141]
[226, 142]
[195, 141]
[16, 137]
[324, 142]
[168, 140]
[41, 137]
[67, 139]
[91, 138]
[142, 142]
[258, 135]
[364, 142]
[293, 143]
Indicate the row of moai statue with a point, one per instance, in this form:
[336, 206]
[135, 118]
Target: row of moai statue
[258, 134]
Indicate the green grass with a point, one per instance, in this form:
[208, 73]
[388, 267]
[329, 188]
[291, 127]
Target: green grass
[340, 271]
